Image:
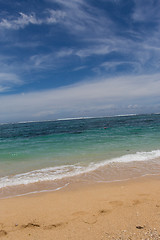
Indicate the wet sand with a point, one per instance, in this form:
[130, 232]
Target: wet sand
[119, 210]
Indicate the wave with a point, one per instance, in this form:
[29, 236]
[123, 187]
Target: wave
[65, 171]
[75, 118]
[39, 191]
[78, 118]
[126, 115]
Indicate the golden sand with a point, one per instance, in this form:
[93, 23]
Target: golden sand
[121, 210]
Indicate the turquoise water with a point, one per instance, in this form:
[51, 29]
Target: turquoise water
[59, 149]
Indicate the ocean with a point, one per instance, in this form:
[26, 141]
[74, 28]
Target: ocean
[50, 155]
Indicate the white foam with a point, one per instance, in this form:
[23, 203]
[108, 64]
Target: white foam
[126, 115]
[39, 191]
[60, 172]
[74, 118]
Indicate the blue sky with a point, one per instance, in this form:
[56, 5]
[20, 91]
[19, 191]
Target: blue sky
[78, 58]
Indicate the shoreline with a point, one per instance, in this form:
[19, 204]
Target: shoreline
[118, 210]
[102, 173]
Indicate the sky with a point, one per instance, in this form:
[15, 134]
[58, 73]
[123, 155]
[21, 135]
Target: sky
[78, 58]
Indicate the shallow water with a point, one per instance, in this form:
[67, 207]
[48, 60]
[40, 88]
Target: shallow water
[47, 155]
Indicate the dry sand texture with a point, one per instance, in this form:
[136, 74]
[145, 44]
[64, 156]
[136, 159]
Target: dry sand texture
[122, 210]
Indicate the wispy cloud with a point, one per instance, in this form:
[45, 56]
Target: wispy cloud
[20, 22]
[8, 81]
[147, 12]
[80, 17]
[55, 16]
[15, 23]
[114, 65]
[79, 68]
[65, 52]
[84, 32]
[52, 59]
[100, 35]
[96, 50]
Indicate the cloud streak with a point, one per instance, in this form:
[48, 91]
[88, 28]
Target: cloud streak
[8, 81]
[24, 20]
[104, 96]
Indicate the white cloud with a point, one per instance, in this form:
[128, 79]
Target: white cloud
[4, 89]
[84, 20]
[55, 16]
[8, 80]
[44, 113]
[114, 64]
[79, 68]
[65, 52]
[103, 95]
[9, 77]
[94, 50]
[144, 12]
[56, 58]
[20, 22]
[23, 19]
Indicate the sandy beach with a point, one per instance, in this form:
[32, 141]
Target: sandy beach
[119, 210]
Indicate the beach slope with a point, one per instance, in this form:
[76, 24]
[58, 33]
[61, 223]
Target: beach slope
[120, 210]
